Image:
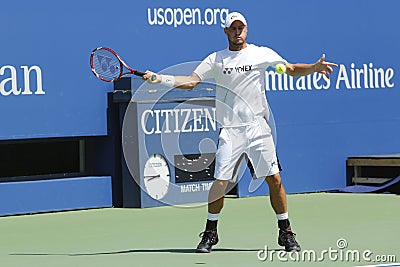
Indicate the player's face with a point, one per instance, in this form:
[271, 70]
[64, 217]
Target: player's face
[237, 35]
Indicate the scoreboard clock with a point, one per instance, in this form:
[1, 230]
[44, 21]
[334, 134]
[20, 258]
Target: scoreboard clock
[156, 176]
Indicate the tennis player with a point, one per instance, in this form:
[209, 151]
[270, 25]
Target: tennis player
[242, 110]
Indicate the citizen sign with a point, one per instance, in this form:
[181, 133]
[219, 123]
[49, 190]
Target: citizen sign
[24, 80]
[182, 120]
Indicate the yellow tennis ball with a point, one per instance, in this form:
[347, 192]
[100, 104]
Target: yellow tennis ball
[280, 68]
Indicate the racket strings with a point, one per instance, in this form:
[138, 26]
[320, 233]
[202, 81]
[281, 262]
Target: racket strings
[106, 65]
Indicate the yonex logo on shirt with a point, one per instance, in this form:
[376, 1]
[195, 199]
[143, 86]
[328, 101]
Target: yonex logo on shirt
[239, 69]
[227, 70]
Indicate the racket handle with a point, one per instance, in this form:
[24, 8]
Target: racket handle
[139, 73]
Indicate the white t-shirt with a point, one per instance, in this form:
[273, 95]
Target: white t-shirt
[240, 82]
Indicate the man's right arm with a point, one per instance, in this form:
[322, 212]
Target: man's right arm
[202, 72]
[182, 82]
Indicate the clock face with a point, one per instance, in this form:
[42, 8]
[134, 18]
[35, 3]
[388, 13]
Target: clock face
[156, 176]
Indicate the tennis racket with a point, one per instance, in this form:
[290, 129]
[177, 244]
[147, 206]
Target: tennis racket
[108, 66]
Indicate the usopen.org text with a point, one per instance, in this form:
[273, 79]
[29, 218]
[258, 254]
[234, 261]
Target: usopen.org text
[186, 16]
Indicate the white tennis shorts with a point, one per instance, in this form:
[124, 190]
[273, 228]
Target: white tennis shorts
[254, 141]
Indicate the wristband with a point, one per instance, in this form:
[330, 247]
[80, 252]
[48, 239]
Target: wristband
[168, 80]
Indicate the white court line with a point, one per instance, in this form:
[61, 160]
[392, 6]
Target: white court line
[380, 265]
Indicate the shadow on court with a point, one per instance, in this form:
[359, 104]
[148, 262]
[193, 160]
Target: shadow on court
[166, 250]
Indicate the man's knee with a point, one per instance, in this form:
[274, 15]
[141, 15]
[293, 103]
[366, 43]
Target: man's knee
[217, 190]
[218, 187]
[220, 183]
[274, 180]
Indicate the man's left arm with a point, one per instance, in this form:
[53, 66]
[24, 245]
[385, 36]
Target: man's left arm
[301, 69]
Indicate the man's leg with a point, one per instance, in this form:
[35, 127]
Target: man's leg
[279, 205]
[216, 196]
[215, 205]
[277, 193]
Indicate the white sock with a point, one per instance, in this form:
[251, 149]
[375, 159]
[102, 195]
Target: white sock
[212, 217]
[282, 216]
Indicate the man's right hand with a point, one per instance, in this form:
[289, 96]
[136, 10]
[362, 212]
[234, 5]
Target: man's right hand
[151, 77]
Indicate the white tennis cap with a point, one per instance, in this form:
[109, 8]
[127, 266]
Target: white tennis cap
[233, 17]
